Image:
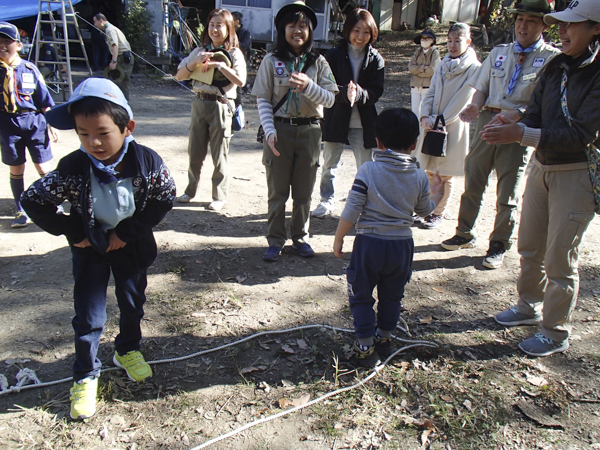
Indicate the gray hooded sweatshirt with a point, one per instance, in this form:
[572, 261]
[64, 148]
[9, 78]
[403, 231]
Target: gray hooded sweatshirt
[384, 195]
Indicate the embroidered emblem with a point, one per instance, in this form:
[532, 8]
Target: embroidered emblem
[538, 62]
[137, 181]
[498, 64]
[279, 70]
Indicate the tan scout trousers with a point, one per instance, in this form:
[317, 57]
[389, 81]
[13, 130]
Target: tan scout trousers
[558, 206]
[510, 162]
[210, 123]
[296, 167]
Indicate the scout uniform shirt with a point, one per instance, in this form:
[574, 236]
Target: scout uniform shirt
[114, 36]
[31, 93]
[273, 83]
[496, 71]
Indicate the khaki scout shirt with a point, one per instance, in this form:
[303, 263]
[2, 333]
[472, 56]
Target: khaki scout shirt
[238, 66]
[114, 36]
[496, 71]
[273, 82]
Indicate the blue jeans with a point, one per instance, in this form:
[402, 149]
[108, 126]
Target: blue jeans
[332, 152]
[387, 265]
[91, 271]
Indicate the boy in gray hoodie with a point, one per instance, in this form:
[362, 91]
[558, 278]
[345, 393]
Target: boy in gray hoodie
[385, 194]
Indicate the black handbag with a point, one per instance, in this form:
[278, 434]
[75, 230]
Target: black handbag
[436, 139]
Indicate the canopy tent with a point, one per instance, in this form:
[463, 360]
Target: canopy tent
[17, 9]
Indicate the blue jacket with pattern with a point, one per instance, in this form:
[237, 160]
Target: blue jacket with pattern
[153, 191]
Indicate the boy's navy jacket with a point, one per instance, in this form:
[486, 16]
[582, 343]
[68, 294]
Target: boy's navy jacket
[336, 123]
[153, 191]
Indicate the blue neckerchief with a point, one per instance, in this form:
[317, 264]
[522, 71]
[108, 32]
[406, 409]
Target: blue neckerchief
[110, 169]
[513, 81]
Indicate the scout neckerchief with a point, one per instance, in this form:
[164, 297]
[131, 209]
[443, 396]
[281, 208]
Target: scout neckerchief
[110, 169]
[520, 61]
[295, 65]
[9, 87]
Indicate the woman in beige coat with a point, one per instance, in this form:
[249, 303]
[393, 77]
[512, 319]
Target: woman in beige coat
[448, 94]
[421, 67]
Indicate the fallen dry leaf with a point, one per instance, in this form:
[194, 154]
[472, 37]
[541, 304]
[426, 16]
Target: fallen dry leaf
[287, 349]
[286, 403]
[467, 404]
[536, 381]
[447, 398]
[426, 320]
[437, 290]
[302, 344]
[251, 369]
[241, 278]
[534, 413]
[425, 436]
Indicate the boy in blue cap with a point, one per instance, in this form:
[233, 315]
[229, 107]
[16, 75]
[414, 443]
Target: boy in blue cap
[118, 190]
[25, 99]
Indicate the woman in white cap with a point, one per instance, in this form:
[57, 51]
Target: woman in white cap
[562, 122]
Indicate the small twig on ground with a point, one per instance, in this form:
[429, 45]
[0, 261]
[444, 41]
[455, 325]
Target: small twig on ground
[224, 404]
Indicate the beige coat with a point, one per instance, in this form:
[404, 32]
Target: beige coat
[422, 66]
[448, 95]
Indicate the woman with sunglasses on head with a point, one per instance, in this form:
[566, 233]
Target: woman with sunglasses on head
[562, 122]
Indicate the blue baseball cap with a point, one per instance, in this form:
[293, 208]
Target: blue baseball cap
[59, 117]
[10, 31]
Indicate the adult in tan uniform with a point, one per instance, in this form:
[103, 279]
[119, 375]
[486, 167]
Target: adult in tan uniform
[120, 51]
[504, 84]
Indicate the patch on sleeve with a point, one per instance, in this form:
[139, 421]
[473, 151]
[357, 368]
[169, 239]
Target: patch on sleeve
[360, 187]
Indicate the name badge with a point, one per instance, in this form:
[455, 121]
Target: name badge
[28, 78]
[28, 85]
[529, 76]
[538, 62]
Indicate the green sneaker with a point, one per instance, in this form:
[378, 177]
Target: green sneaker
[134, 364]
[83, 398]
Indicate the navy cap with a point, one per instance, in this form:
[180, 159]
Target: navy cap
[59, 116]
[10, 31]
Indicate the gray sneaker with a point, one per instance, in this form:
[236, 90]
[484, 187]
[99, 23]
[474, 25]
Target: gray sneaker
[540, 345]
[494, 256]
[511, 317]
[184, 198]
[324, 209]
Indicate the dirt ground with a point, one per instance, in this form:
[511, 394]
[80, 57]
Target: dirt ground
[210, 287]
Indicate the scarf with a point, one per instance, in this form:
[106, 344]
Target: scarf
[110, 169]
[296, 64]
[520, 60]
[9, 86]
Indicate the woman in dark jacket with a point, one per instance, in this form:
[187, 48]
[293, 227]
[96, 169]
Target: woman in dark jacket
[562, 122]
[358, 69]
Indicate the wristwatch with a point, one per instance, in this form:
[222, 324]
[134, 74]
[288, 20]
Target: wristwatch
[113, 60]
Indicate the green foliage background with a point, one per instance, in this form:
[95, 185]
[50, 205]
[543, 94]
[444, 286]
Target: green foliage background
[136, 25]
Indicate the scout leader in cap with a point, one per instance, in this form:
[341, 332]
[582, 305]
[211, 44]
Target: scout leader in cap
[504, 84]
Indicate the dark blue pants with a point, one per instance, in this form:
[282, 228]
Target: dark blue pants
[91, 271]
[387, 265]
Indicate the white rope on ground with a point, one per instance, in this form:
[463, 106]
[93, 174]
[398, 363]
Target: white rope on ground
[286, 412]
[18, 388]
[28, 374]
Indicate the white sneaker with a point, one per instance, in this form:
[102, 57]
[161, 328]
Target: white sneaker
[184, 198]
[324, 209]
[216, 205]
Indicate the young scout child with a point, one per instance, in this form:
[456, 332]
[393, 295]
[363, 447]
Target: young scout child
[504, 85]
[293, 85]
[118, 191]
[384, 195]
[22, 122]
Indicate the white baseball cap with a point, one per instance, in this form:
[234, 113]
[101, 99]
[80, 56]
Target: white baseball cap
[576, 11]
[59, 116]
